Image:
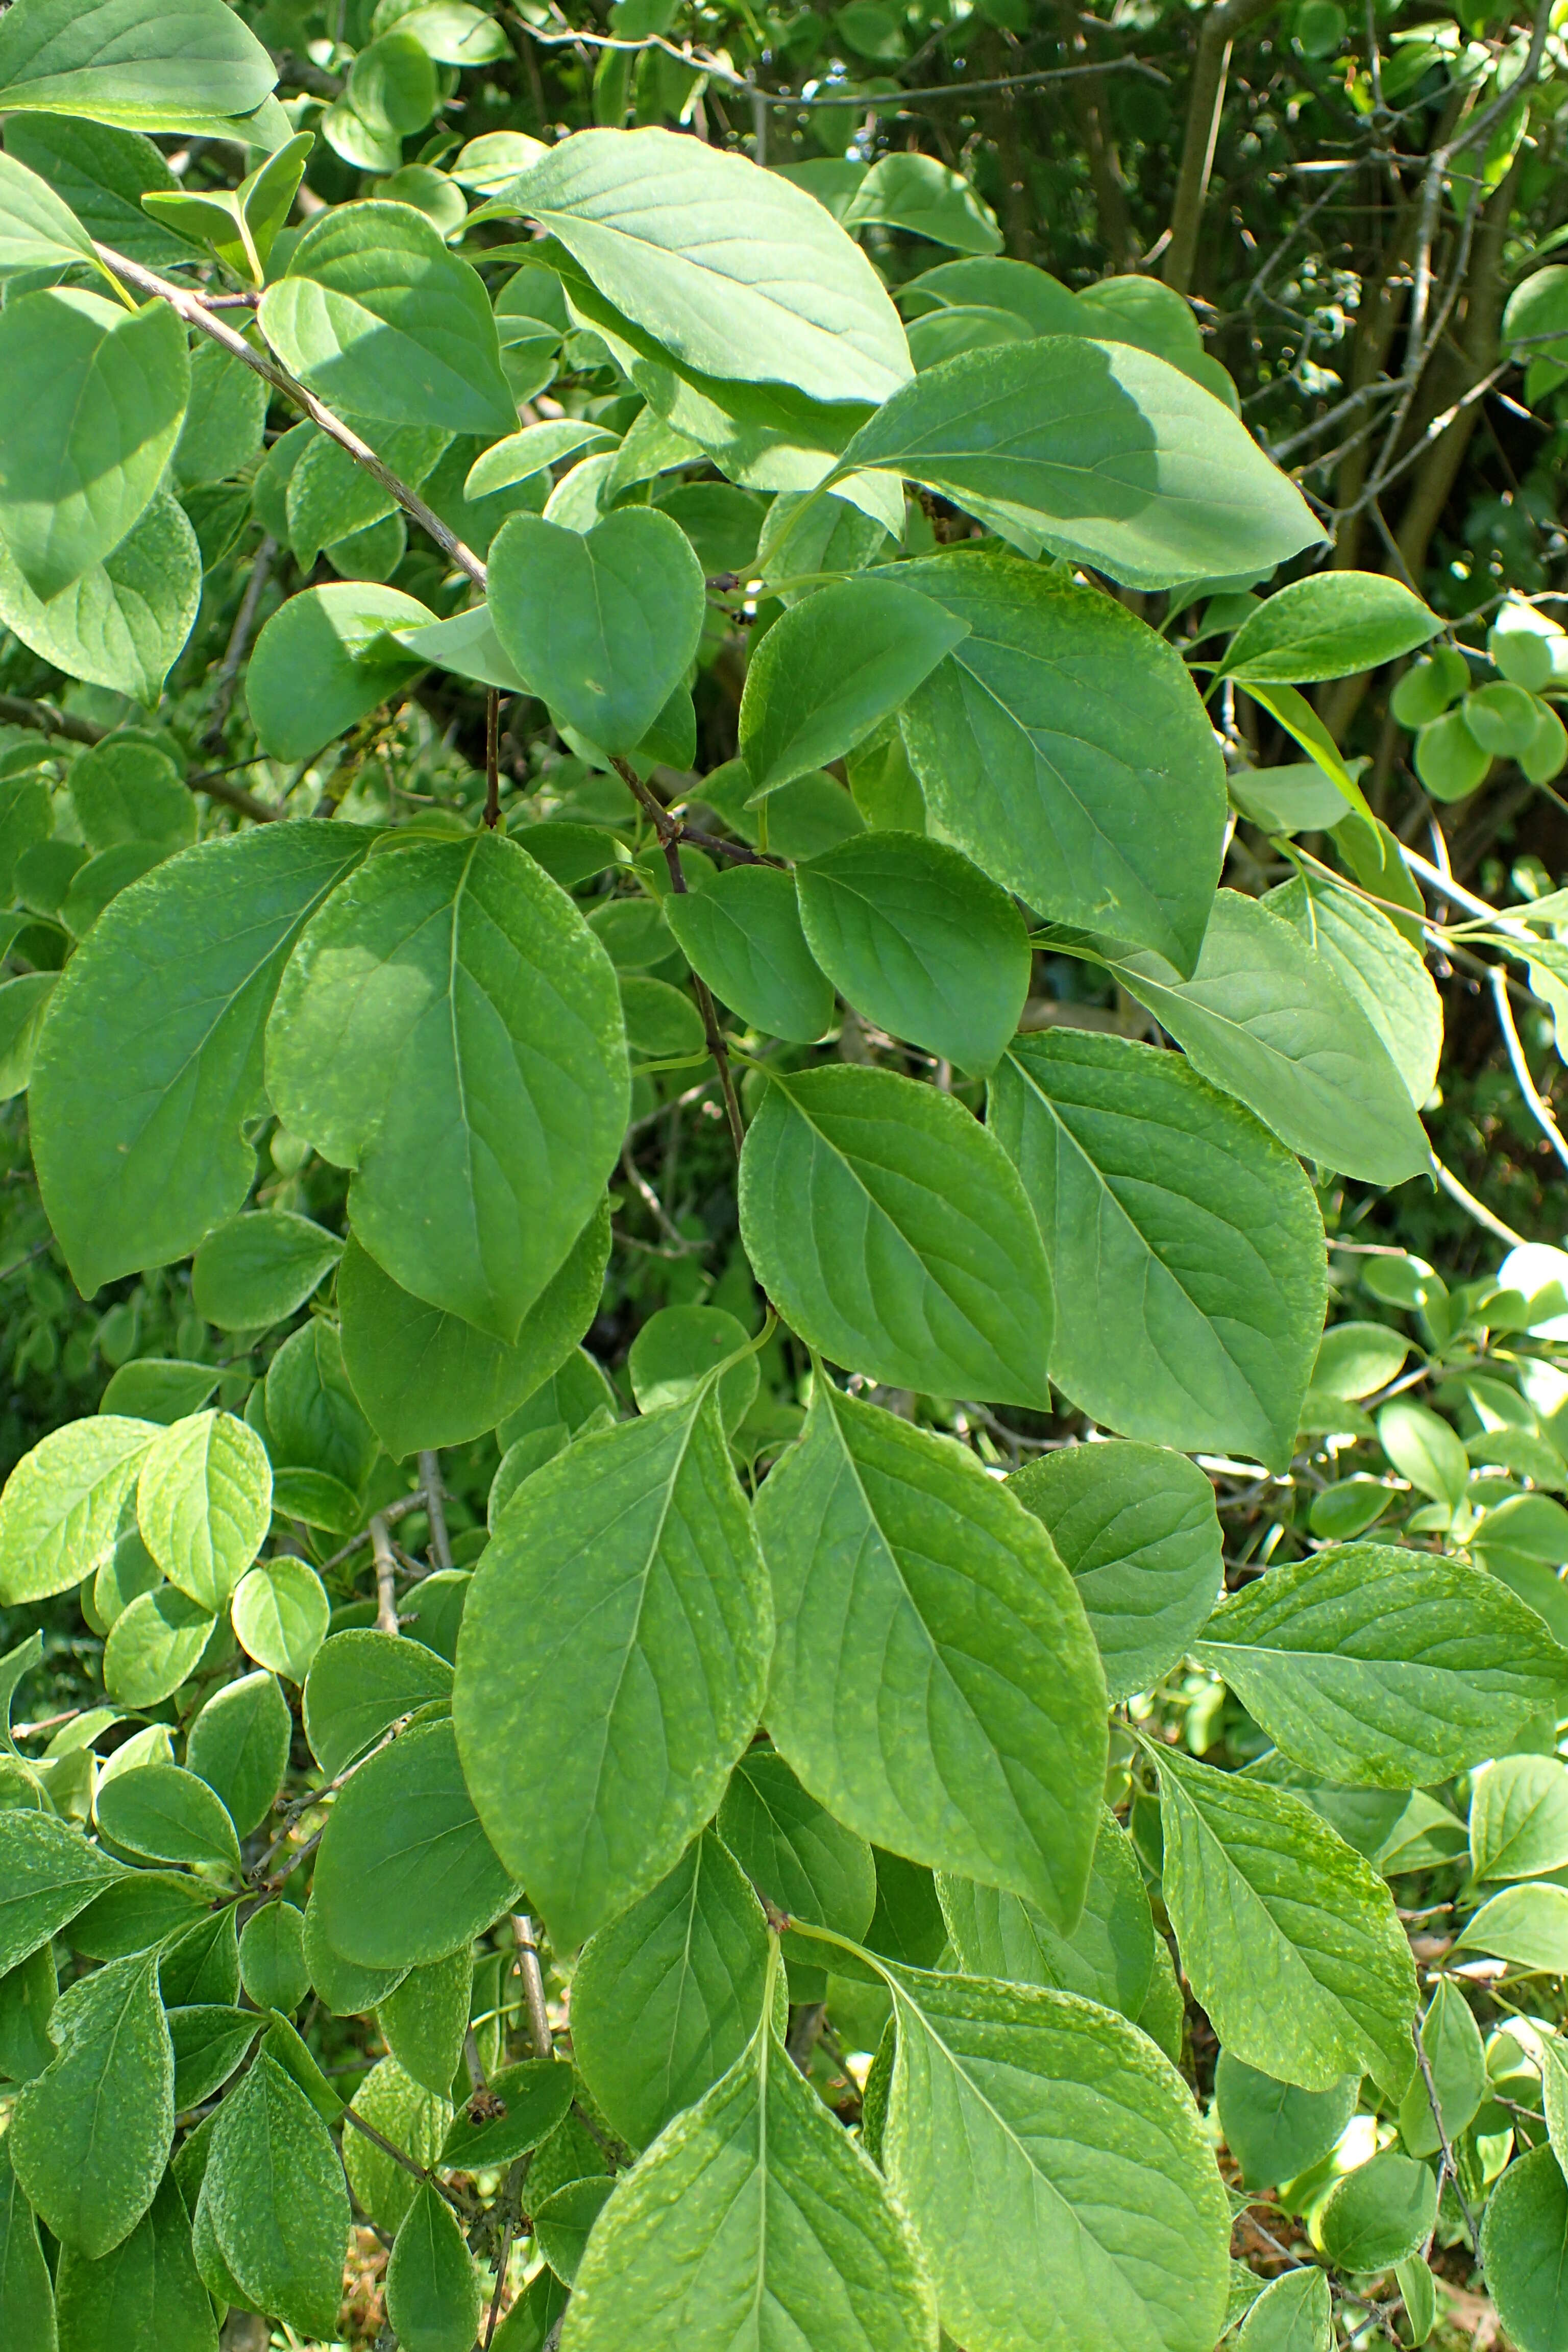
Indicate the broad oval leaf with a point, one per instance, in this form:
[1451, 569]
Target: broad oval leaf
[359, 1684]
[894, 1235]
[59, 1513]
[1519, 1818]
[279, 1612]
[830, 669]
[426, 2018]
[915, 936]
[733, 271]
[37, 230]
[203, 1504]
[272, 1964]
[151, 1057]
[1379, 2213]
[168, 1815]
[1171, 1217]
[259, 1269]
[1293, 2314]
[405, 1872]
[1098, 451]
[49, 1872]
[377, 315]
[324, 659]
[741, 933]
[1056, 2169]
[413, 2120]
[273, 2198]
[90, 2136]
[1274, 2130]
[451, 1031]
[1384, 1668]
[1377, 967]
[1265, 1018]
[1064, 749]
[601, 623]
[1526, 1924]
[148, 2291]
[979, 1745]
[538, 2095]
[793, 1851]
[1524, 2246]
[178, 68]
[614, 1644]
[1325, 626]
[433, 2296]
[156, 1641]
[123, 622]
[1288, 1937]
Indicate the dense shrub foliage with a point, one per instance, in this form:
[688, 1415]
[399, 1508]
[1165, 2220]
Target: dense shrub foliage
[782, 1563]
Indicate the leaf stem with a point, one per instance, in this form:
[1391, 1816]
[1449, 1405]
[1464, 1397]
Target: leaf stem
[532, 1975]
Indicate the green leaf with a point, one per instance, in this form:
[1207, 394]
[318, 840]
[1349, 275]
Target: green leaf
[1291, 2315]
[1378, 970]
[741, 933]
[730, 270]
[331, 497]
[90, 409]
[323, 660]
[1379, 2213]
[153, 1644]
[224, 418]
[160, 1389]
[1064, 749]
[1289, 1938]
[239, 224]
[452, 33]
[359, 1684]
[1525, 1924]
[1524, 2246]
[27, 2290]
[413, 2120]
[59, 1513]
[1384, 1668]
[280, 1612]
[378, 318]
[534, 451]
[312, 1419]
[1173, 1218]
[1327, 625]
[474, 1080]
[405, 1872]
[537, 2095]
[917, 192]
[1423, 1449]
[258, 1270]
[1519, 1818]
[1098, 451]
[272, 1965]
[23, 1004]
[914, 935]
[795, 1853]
[563, 2219]
[615, 1645]
[180, 68]
[666, 1997]
[122, 624]
[124, 791]
[203, 1503]
[151, 1058]
[433, 2296]
[273, 2200]
[202, 1963]
[168, 1815]
[1136, 1529]
[755, 2216]
[101, 175]
[884, 1541]
[1264, 1017]
[1274, 2130]
[90, 2136]
[1109, 1956]
[1055, 2169]
[676, 1349]
[37, 230]
[894, 1235]
[1452, 2042]
[426, 2018]
[831, 669]
[603, 623]
[146, 2296]
[27, 1995]
[48, 1873]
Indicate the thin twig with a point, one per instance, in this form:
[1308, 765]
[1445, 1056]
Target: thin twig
[533, 1976]
[1448, 2165]
[385, 1573]
[501, 2261]
[227, 673]
[492, 758]
[435, 1505]
[420, 2171]
[389, 1517]
[1540, 1108]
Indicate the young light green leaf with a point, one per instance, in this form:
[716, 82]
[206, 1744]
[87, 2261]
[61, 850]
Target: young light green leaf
[1385, 1668]
[156, 1641]
[1276, 2130]
[475, 1081]
[1055, 2169]
[27, 2290]
[797, 1856]
[1110, 1955]
[203, 1503]
[426, 2017]
[91, 401]
[323, 660]
[168, 1815]
[1264, 1017]
[405, 1872]
[1423, 1449]
[1452, 2042]
[279, 1612]
[1524, 2246]
[666, 1997]
[433, 2296]
[125, 790]
[359, 1684]
[1173, 1217]
[1291, 2315]
[272, 1965]
[1326, 625]
[752, 2203]
[123, 622]
[59, 1513]
[378, 317]
[532, 451]
[1098, 451]
[741, 933]
[151, 1057]
[1519, 1818]
[914, 935]
[1378, 968]
[259, 1269]
[894, 1236]
[1379, 2213]
[239, 224]
[1136, 1529]
[601, 623]
[920, 194]
[37, 230]
[615, 1641]
[885, 1541]
[1288, 1937]
[273, 2200]
[829, 671]
[1064, 749]
[48, 1873]
[1526, 1924]
[735, 273]
[90, 2136]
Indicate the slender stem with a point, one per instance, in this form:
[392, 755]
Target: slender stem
[420, 2171]
[1540, 1109]
[501, 2259]
[492, 758]
[1474, 1208]
[435, 1505]
[19, 710]
[385, 1574]
[477, 2080]
[533, 1976]
[195, 313]
[394, 1512]
[239, 638]
[1450, 2168]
